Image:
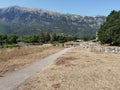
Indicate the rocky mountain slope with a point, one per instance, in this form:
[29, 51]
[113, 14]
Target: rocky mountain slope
[24, 21]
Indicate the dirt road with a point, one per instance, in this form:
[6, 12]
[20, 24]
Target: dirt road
[12, 80]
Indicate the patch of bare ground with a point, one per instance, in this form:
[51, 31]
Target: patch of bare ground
[85, 71]
[17, 58]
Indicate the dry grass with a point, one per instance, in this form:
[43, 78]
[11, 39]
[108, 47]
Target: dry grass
[16, 58]
[63, 60]
[78, 70]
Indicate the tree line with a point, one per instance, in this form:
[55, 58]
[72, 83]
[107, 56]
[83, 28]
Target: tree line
[39, 38]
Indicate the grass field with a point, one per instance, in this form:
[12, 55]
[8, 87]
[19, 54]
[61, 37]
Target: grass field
[16, 58]
[78, 70]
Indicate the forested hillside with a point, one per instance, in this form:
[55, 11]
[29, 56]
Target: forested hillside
[26, 21]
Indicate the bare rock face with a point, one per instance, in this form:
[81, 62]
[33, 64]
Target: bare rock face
[18, 20]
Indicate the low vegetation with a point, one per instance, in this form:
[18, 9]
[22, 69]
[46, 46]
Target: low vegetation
[7, 41]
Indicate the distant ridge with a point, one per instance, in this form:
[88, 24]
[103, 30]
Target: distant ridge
[25, 21]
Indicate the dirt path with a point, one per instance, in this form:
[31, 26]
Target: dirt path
[12, 59]
[12, 80]
[78, 69]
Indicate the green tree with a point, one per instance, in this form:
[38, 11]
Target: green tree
[12, 39]
[54, 37]
[3, 38]
[41, 38]
[34, 39]
[109, 32]
[47, 37]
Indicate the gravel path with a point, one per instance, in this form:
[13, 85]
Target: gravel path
[12, 80]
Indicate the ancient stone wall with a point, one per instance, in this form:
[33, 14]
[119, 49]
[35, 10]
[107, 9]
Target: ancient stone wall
[96, 47]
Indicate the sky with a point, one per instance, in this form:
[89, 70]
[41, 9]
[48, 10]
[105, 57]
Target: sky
[79, 7]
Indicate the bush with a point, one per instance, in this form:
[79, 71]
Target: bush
[10, 46]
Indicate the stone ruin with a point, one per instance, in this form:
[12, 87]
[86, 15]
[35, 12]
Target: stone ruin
[96, 47]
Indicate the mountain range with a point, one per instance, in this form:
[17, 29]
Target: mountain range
[26, 21]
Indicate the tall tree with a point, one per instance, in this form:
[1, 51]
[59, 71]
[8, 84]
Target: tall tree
[47, 36]
[12, 38]
[109, 32]
[41, 38]
[53, 37]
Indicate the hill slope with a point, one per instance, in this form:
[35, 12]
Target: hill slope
[23, 21]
